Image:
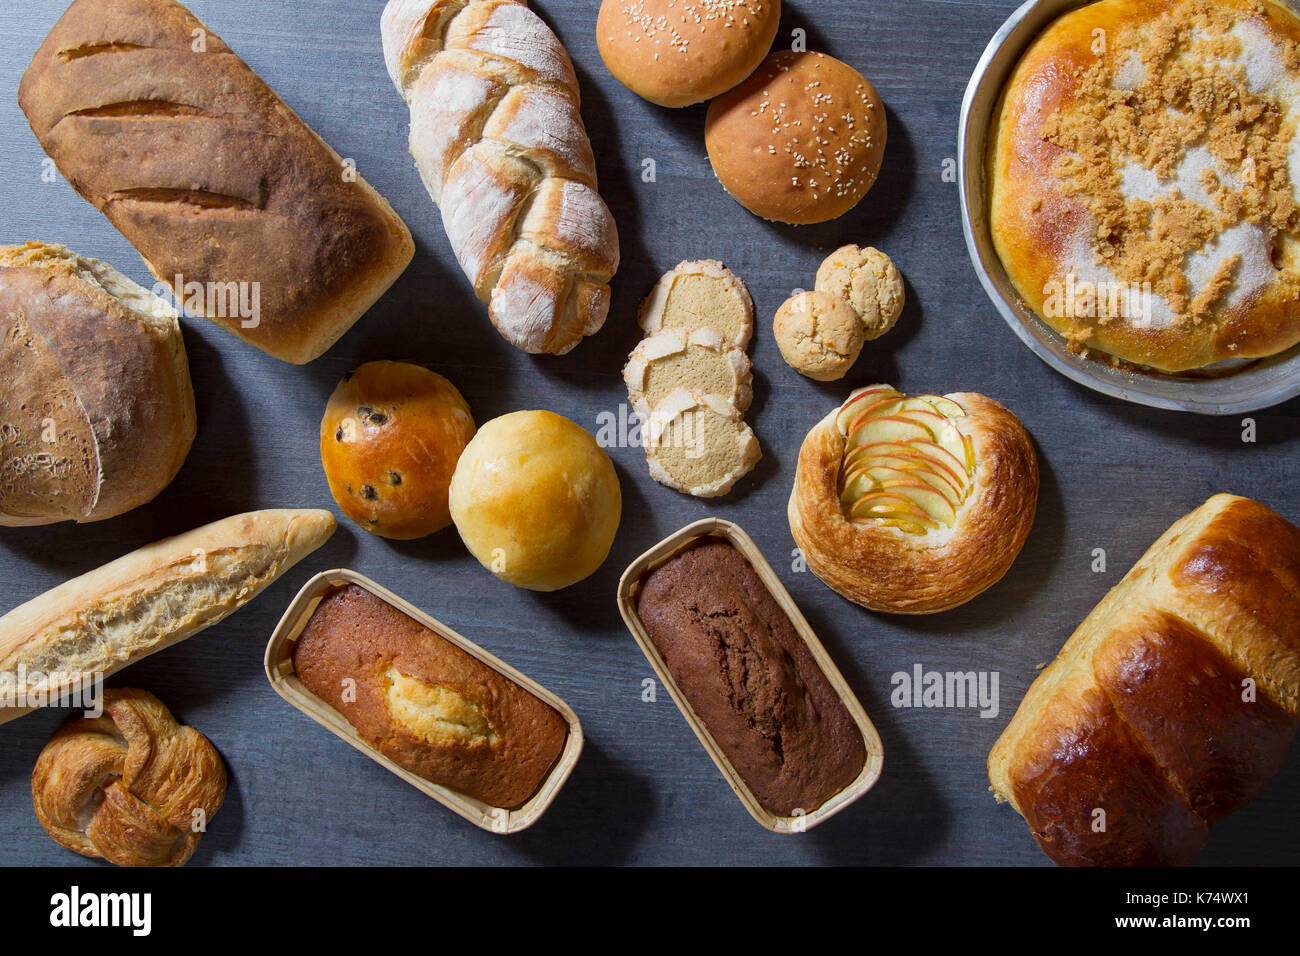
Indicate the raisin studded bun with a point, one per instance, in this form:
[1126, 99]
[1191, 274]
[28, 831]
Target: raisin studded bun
[389, 441]
[801, 141]
[913, 505]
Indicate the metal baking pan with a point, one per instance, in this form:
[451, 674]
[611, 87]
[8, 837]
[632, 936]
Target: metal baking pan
[278, 662]
[1220, 390]
[629, 587]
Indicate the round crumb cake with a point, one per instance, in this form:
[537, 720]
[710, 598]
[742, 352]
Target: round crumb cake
[1145, 180]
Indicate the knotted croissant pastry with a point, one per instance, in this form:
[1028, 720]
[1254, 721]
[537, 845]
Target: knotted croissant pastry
[913, 505]
[499, 142]
[133, 786]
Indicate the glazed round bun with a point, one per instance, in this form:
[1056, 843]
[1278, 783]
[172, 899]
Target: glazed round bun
[389, 441]
[800, 141]
[536, 500]
[679, 52]
[913, 505]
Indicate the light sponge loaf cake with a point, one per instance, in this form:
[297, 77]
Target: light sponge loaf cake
[677, 358]
[1145, 199]
[425, 703]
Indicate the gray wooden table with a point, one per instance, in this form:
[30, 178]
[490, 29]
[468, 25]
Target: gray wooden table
[1114, 477]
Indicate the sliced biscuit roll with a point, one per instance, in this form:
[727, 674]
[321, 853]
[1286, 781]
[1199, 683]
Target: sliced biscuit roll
[697, 295]
[699, 444]
[677, 358]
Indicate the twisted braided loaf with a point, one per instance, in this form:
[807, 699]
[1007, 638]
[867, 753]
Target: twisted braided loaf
[499, 142]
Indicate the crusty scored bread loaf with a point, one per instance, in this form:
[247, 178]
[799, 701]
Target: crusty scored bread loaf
[151, 598]
[499, 142]
[1147, 712]
[210, 175]
[96, 405]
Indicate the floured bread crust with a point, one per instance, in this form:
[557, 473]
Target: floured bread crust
[1143, 180]
[499, 141]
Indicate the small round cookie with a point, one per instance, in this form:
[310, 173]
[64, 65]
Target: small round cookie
[679, 52]
[801, 141]
[868, 280]
[699, 294]
[699, 444]
[677, 358]
[819, 335]
[389, 442]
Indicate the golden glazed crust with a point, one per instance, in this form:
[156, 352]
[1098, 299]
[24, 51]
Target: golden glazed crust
[389, 442]
[1166, 159]
[536, 500]
[1142, 713]
[887, 569]
[800, 141]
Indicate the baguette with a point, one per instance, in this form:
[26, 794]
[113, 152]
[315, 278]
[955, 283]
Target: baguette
[499, 142]
[1172, 705]
[98, 623]
[231, 200]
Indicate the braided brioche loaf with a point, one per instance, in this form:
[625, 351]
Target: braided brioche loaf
[499, 142]
[1172, 705]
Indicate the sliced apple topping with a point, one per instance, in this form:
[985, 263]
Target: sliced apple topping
[906, 463]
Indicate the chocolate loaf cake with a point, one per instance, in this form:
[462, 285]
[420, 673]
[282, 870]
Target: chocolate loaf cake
[750, 677]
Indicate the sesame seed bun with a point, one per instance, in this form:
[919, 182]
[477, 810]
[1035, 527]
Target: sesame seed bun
[678, 52]
[801, 141]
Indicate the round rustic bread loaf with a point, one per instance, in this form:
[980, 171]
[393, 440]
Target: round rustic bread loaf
[96, 405]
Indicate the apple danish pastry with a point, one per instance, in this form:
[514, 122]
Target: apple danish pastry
[913, 505]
